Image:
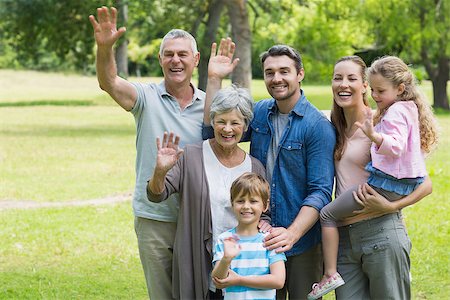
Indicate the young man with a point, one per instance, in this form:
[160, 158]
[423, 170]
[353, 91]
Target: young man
[173, 105]
[295, 143]
[249, 270]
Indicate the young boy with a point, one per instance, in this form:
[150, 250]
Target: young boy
[242, 265]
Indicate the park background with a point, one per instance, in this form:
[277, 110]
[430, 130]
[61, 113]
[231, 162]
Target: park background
[67, 150]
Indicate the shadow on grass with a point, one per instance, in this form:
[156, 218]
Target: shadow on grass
[47, 102]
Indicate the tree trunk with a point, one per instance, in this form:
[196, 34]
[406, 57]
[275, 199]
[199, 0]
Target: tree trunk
[440, 96]
[439, 77]
[241, 35]
[121, 48]
[439, 74]
[214, 12]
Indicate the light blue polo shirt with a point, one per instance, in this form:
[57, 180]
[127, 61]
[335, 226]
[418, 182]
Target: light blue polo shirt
[157, 111]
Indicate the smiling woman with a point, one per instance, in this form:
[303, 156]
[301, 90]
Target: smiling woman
[202, 176]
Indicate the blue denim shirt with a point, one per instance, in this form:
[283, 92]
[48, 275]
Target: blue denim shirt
[304, 168]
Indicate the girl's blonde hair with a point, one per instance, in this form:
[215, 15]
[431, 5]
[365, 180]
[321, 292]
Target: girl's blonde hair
[397, 72]
[337, 113]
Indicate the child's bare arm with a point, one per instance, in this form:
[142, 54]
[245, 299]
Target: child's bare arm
[274, 280]
[231, 250]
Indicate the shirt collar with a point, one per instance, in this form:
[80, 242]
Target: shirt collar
[163, 91]
[299, 108]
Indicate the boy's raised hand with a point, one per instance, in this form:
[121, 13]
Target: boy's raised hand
[105, 30]
[221, 62]
[231, 248]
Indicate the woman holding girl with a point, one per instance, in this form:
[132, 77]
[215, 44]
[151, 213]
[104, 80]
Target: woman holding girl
[374, 247]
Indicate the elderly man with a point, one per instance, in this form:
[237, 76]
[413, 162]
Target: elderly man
[173, 105]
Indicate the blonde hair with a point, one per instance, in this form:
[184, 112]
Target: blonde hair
[337, 113]
[250, 184]
[397, 72]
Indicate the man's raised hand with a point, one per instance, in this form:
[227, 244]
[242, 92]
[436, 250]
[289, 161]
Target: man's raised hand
[105, 30]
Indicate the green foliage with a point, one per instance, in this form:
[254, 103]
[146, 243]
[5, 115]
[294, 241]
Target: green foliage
[50, 34]
[56, 34]
[420, 25]
[416, 30]
[322, 31]
[144, 59]
[420, 74]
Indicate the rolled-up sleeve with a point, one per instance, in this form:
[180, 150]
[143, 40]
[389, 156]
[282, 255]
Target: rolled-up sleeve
[172, 182]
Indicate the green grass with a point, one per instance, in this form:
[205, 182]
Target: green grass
[429, 226]
[70, 253]
[22, 88]
[62, 139]
[57, 153]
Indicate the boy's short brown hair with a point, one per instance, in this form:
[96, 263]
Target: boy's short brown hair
[250, 183]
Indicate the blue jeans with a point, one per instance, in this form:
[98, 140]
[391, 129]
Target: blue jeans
[373, 259]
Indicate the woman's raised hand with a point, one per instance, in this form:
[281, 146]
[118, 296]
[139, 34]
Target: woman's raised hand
[168, 152]
[221, 62]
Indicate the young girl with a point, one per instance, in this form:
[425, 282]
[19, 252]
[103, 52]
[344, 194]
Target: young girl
[405, 128]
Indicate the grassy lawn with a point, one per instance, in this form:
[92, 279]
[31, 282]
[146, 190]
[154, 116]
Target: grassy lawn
[62, 139]
[70, 253]
[57, 153]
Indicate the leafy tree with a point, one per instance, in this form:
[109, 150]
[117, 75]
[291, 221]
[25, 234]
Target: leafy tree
[322, 31]
[35, 28]
[53, 33]
[419, 32]
[140, 57]
[215, 9]
[238, 21]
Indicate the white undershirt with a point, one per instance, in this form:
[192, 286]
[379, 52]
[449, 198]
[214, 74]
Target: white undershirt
[220, 179]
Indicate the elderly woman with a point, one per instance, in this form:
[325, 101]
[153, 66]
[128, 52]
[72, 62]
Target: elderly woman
[202, 176]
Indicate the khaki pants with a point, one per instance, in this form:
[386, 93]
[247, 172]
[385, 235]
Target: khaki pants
[374, 260]
[155, 242]
[302, 271]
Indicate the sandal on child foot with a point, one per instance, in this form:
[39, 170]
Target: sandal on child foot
[325, 286]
